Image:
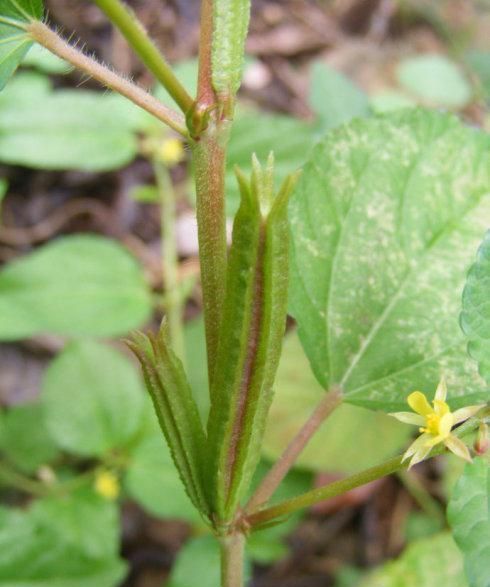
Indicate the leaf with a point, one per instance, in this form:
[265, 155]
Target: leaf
[196, 363]
[15, 15]
[74, 286]
[385, 220]
[3, 191]
[24, 87]
[70, 129]
[336, 445]
[334, 98]
[152, 480]
[24, 438]
[33, 554]
[259, 133]
[389, 101]
[469, 517]
[435, 80]
[42, 59]
[479, 61]
[230, 27]
[93, 399]
[475, 318]
[426, 563]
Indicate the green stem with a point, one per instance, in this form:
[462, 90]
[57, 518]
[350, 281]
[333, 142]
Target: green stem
[232, 560]
[209, 165]
[173, 299]
[135, 34]
[420, 494]
[19, 481]
[205, 91]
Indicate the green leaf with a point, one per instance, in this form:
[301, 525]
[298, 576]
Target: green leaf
[259, 133]
[336, 446]
[70, 129]
[385, 220]
[153, 481]
[469, 517]
[389, 101]
[426, 563]
[93, 399]
[24, 438]
[33, 553]
[176, 410]
[24, 87]
[479, 61]
[435, 80]
[74, 286]
[334, 98]
[230, 27]
[3, 191]
[15, 15]
[475, 318]
[42, 59]
[196, 363]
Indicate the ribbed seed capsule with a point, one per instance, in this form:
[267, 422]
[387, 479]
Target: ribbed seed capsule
[252, 328]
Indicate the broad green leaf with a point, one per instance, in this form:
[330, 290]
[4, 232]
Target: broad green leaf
[475, 318]
[479, 61]
[70, 129]
[15, 15]
[435, 80]
[259, 133]
[334, 98]
[34, 554]
[426, 563]
[385, 222]
[469, 517]
[230, 27]
[74, 286]
[152, 480]
[24, 438]
[42, 59]
[24, 87]
[82, 520]
[93, 399]
[337, 445]
[389, 101]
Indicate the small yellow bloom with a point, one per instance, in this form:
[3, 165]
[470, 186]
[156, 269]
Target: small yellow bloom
[171, 151]
[435, 423]
[107, 485]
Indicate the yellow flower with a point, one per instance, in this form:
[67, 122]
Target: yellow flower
[171, 151]
[107, 485]
[435, 423]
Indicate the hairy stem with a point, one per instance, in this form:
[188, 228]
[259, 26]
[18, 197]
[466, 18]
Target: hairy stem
[205, 92]
[138, 39]
[274, 477]
[209, 165]
[173, 299]
[232, 560]
[43, 35]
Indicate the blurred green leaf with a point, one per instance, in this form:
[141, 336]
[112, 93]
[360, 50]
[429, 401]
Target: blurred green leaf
[426, 563]
[479, 61]
[420, 525]
[385, 222]
[14, 42]
[469, 517]
[336, 446]
[24, 87]
[152, 480]
[42, 59]
[3, 192]
[435, 80]
[475, 318]
[75, 286]
[186, 72]
[334, 98]
[24, 437]
[93, 399]
[389, 101]
[33, 553]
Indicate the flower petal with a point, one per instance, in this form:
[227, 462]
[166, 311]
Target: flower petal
[416, 445]
[419, 456]
[409, 418]
[464, 413]
[458, 447]
[435, 440]
[441, 391]
[445, 424]
[419, 403]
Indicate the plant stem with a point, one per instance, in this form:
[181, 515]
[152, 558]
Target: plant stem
[205, 91]
[274, 477]
[420, 494]
[173, 300]
[209, 166]
[138, 39]
[43, 35]
[232, 560]
[19, 481]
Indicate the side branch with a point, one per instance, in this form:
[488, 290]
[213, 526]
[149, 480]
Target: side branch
[274, 477]
[43, 35]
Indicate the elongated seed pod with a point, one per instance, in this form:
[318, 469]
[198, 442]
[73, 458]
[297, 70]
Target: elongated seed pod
[252, 328]
[230, 26]
[176, 410]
